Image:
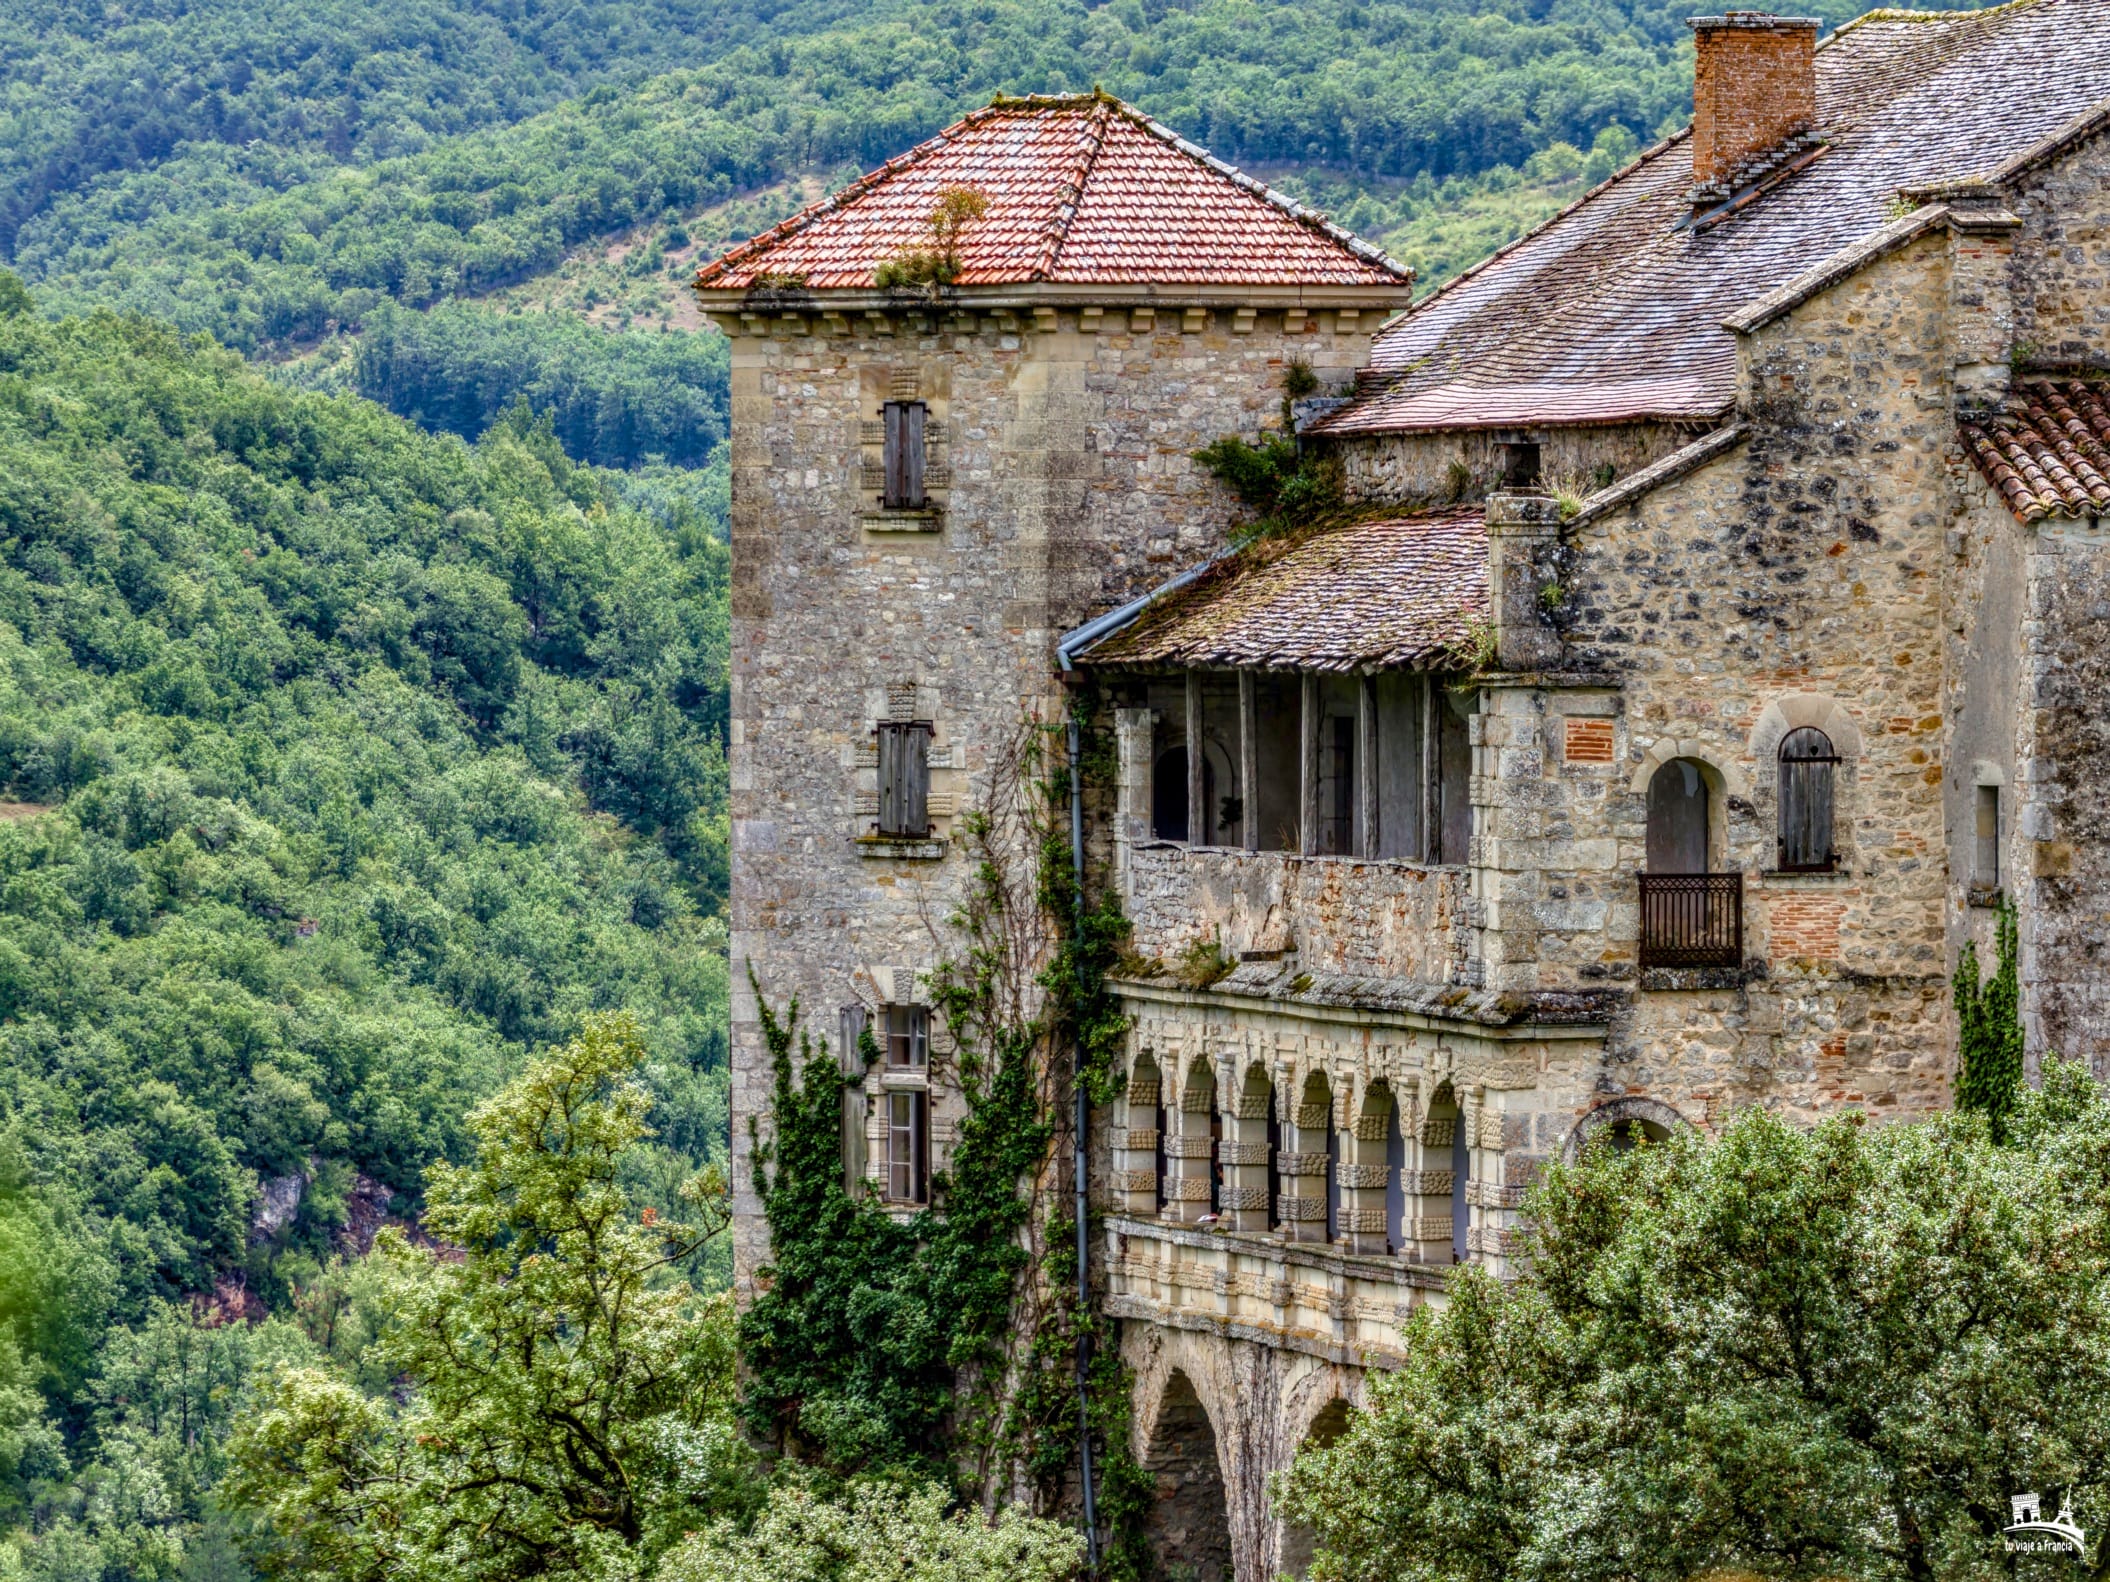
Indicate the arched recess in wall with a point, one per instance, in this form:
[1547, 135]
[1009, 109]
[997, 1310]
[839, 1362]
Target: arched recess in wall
[1627, 1120]
[1187, 1527]
[1704, 783]
[1805, 747]
[1298, 1543]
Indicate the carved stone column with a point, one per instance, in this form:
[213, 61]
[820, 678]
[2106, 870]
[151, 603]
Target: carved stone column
[1362, 1173]
[1136, 1186]
[1244, 1154]
[1302, 1166]
[1134, 731]
[1190, 1152]
[1427, 1180]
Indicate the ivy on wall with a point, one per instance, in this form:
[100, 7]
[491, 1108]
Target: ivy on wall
[944, 1342]
[1989, 1028]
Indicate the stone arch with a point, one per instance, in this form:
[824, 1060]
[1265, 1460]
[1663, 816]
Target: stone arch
[1260, 1399]
[1296, 1544]
[1796, 710]
[1187, 1527]
[1652, 1117]
[1729, 778]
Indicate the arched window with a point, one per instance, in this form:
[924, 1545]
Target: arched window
[1807, 764]
[1677, 819]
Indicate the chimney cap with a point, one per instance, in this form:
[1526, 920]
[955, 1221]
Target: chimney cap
[1752, 19]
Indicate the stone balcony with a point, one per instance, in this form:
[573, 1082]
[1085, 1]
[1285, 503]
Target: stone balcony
[1339, 1306]
[1346, 915]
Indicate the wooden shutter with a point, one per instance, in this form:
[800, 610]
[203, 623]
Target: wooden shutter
[915, 780]
[1806, 765]
[904, 779]
[890, 779]
[850, 1061]
[904, 421]
[912, 460]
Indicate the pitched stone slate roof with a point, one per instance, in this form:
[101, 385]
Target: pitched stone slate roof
[1080, 189]
[1610, 313]
[2048, 452]
[1398, 591]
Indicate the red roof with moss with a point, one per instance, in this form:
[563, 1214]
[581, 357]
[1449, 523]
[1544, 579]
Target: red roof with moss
[1082, 190]
[1386, 591]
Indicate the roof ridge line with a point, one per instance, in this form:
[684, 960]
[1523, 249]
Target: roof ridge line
[1304, 215]
[1091, 143]
[843, 199]
[1662, 145]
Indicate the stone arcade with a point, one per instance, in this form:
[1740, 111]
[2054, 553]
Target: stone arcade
[1721, 630]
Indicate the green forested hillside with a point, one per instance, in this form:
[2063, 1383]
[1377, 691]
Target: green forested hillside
[340, 765]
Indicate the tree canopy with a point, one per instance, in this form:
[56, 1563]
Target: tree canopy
[1801, 1353]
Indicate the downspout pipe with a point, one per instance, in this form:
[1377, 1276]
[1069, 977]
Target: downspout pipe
[1081, 1166]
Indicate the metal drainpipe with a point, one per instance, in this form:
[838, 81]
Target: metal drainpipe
[1081, 1166]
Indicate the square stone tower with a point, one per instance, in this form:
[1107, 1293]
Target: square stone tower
[966, 391]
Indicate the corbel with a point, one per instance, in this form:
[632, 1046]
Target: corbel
[1242, 321]
[1044, 320]
[877, 323]
[1143, 321]
[1089, 320]
[1194, 321]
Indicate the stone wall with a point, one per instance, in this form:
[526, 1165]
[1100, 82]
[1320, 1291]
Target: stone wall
[1466, 464]
[1794, 579]
[1340, 914]
[2062, 260]
[1061, 468]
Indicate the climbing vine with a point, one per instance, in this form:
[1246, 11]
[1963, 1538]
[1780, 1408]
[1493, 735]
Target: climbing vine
[946, 1340]
[1989, 1028]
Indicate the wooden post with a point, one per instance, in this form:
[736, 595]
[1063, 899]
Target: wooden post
[1366, 766]
[1248, 763]
[1431, 770]
[1197, 804]
[1308, 765]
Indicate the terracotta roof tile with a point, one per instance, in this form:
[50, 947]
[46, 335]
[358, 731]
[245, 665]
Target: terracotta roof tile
[1610, 313]
[1399, 591]
[1085, 190]
[2048, 452]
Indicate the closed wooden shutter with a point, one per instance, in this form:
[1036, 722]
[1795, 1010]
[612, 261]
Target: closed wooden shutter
[904, 778]
[1806, 766]
[850, 1061]
[904, 422]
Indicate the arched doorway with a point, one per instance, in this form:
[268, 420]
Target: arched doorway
[1187, 1530]
[1678, 818]
[1298, 1541]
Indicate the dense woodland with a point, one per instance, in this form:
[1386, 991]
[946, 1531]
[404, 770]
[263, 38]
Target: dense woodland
[362, 600]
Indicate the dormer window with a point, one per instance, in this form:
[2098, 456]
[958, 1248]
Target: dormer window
[904, 449]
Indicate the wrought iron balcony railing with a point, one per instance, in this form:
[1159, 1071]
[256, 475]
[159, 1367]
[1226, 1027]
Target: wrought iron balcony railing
[1692, 919]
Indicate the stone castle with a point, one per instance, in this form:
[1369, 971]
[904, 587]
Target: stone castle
[1719, 633]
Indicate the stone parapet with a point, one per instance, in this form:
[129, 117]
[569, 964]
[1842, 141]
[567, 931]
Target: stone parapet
[1299, 1296]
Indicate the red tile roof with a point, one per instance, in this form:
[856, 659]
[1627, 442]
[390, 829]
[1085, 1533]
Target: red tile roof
[2048, 452]
[1398, 591]
[1610, 313]
[1082, 189]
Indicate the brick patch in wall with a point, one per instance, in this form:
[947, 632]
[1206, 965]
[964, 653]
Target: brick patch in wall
[1806, 926]
[1588, 741]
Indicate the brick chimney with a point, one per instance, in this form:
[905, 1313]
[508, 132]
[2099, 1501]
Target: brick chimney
[1754, 89]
